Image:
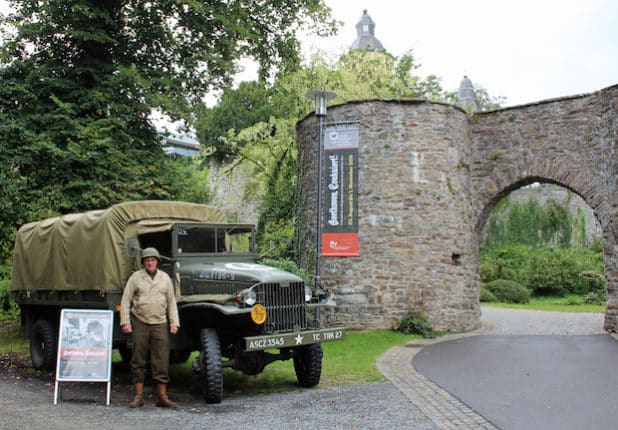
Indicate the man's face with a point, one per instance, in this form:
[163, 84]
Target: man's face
[150, 264]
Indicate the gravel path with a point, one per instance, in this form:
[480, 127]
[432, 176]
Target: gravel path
[28, 402]
[365, 406]
[519, 321]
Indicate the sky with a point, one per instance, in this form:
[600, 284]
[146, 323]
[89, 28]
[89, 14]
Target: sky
[524, 50]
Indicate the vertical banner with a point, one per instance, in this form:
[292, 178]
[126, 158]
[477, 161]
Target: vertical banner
[340, 191]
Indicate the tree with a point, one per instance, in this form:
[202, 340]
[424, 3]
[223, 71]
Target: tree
[260, 140]
[355, 75]
[79, 79]
[237, 109]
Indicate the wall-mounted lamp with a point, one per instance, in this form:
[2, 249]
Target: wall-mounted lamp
[320, 98]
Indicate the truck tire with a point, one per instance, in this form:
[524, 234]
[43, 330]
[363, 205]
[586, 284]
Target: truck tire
[308, 365]
[212, 369]
[43, 345]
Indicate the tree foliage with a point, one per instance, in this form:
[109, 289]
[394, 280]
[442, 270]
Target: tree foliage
[268, 114]
[253, 125]
[80, 78]
[534, 224]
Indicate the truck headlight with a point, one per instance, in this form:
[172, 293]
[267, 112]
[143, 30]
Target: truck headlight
[308, 294]
[248, 297]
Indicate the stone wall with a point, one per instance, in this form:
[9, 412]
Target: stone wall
[429, 175]
[418, 247]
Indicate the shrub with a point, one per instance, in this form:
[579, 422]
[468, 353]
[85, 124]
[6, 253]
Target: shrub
[595, 298]
[414, 323]
[486, 295]
[593, 282]
[9, 310]
[547, 277]
[508, 291]
[509, 262]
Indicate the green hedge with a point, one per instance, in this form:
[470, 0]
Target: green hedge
[546, 270]
[506, 291]
[486, 295]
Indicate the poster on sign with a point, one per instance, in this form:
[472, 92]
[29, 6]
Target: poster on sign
[339, 217]
[84, 346]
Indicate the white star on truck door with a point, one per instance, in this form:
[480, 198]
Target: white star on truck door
[299, 339]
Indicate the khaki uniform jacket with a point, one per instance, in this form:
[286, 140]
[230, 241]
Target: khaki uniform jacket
[150, 300]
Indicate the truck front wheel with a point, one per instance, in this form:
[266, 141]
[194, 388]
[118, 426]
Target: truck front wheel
[212, 370]
[43, 345]
[308, 364]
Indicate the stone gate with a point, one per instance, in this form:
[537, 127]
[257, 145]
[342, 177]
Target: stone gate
[429, 176]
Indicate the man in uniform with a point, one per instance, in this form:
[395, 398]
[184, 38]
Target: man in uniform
[148, 308]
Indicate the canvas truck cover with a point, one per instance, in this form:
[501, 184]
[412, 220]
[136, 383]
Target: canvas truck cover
[88, 251]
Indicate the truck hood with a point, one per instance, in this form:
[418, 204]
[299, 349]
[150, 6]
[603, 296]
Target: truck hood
[237, 271]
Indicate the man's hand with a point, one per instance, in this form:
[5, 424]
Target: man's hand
[127, 329]
[173, 329]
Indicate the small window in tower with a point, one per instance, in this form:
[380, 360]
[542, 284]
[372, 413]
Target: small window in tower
[456, 259]
[366, 28]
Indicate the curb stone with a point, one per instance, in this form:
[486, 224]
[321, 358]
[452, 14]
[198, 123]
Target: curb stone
[446, 411]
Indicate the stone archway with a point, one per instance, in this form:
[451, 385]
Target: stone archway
[429, 175]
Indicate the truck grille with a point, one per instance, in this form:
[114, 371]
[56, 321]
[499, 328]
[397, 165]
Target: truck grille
[285, 305]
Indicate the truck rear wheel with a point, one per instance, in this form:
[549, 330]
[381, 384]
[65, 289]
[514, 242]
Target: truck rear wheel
[212, 369]
[43, 345]
[308, 364]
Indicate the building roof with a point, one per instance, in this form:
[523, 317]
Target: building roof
[467, 95]
[365, 38]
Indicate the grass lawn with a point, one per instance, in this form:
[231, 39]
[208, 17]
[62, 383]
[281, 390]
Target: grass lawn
[350, 361]
[568, 303]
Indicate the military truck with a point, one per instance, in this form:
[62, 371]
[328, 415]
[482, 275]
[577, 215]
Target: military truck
[236, 312]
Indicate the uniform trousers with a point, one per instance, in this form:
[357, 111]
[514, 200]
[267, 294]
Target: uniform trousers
[150, 339]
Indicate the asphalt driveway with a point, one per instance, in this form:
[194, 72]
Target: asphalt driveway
[530, 382]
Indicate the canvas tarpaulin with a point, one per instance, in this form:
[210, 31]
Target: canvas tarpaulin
[87, 251]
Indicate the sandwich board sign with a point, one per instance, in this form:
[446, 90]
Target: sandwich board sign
[85, 347]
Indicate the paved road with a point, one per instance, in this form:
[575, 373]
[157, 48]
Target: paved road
[553, 371]
[530, 382]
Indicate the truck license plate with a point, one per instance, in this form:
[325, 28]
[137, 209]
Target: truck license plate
[286, 340]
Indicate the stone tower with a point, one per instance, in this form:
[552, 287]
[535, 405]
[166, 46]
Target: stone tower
[467, 96]
[365, 38]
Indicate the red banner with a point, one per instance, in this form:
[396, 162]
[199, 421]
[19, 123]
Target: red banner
[340, 244]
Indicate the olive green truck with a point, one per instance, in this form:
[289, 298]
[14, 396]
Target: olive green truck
[236, 312]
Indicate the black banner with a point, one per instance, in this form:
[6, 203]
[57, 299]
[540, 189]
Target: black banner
[340, 191]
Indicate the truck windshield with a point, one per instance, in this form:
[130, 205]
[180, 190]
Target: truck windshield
[193, 238]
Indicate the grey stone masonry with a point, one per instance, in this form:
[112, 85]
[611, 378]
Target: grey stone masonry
[429, 176]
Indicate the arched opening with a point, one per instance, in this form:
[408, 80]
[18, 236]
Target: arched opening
[539, 240]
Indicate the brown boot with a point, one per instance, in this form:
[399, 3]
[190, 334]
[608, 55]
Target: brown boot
[138, 400]
[162, 400]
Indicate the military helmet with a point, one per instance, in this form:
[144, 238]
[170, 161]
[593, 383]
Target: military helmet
[150, 252]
